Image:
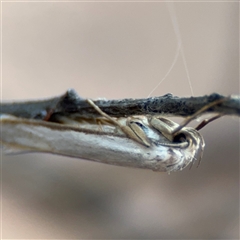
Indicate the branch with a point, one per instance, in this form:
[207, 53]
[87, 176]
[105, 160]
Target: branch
[169, 105]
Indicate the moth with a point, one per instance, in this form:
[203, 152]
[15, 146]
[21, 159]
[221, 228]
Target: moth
[63, 126]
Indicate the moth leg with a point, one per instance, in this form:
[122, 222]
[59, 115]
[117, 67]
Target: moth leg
[137, 127]
[132, 129]
[196, 114]
[207, 121]
[102, 121]
[165, 126]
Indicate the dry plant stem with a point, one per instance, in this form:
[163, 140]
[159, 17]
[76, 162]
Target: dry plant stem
[167, 105]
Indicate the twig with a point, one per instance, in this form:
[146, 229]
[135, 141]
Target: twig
[167, 105]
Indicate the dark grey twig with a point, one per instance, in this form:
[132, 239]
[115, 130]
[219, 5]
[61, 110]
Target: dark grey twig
[70, 103]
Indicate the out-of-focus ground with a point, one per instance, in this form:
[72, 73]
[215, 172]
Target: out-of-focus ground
[119, 50]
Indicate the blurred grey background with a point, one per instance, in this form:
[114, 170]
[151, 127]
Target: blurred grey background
[119, 50]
